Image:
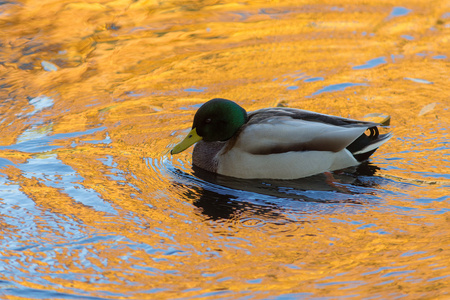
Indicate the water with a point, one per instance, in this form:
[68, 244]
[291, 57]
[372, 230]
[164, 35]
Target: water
[94, 95]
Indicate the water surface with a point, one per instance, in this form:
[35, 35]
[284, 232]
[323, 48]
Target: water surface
[94, 95]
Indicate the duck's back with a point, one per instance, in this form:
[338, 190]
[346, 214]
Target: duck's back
[286, 143]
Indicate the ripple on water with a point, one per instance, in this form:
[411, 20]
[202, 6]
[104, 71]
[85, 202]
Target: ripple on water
[51, 170]
[43, 166]
[37, 139]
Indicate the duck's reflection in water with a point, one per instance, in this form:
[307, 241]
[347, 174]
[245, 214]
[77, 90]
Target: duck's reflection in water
[222, 197]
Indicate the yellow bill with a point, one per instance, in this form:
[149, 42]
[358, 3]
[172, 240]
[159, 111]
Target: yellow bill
[188, 141]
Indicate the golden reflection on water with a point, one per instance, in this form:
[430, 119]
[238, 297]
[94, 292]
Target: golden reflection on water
[94, 94]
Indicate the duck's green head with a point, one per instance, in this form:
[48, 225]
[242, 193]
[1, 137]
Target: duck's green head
[216, 120]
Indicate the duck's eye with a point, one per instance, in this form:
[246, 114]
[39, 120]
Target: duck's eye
[207, 121]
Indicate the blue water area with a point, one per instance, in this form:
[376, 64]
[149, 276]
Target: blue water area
[337, 8]
[196, 90]
[313, 79]
[46, 166]
[407, 37]
[56, 174]
[418, 80]
[337, 87]
[39, 103]
[41, 142]
[134, 94]
[300, 76]
[395, 57]
[399, 12]
[48, 66]
[371, 63]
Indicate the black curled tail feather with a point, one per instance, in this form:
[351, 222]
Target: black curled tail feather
[366, 144]
[363, 156]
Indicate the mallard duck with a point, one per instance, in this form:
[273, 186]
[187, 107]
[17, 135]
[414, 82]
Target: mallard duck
[276, 143]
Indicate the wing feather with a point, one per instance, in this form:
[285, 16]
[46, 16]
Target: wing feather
[280, 130]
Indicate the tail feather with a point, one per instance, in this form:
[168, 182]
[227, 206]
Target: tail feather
[365, 145]
[381, 139]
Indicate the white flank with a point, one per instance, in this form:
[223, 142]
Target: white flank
[289, 165]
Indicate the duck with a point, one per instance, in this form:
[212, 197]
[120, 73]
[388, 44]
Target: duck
[277, 142]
